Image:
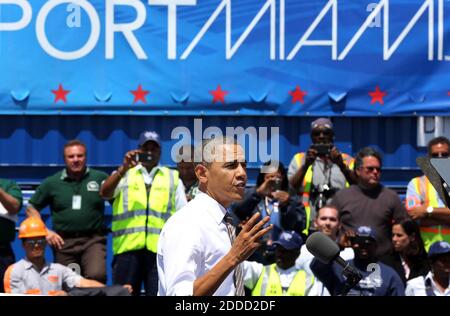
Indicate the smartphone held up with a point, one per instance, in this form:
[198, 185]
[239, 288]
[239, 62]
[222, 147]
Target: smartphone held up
[277, 184]
[143, 157]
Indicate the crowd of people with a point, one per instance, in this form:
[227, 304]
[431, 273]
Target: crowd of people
[199, 230]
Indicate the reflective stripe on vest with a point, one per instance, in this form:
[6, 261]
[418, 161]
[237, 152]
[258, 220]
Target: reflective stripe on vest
[164, 216]
[269, 283]
[307, 183]
[132, 228]
[430, 234]
[306, 191]
[136, 230]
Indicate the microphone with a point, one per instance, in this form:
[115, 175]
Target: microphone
[326, 251]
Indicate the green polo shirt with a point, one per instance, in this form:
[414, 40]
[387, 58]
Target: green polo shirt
[58, 191]
[8, 226]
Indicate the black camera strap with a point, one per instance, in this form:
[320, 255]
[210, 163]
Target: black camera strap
[326, 171]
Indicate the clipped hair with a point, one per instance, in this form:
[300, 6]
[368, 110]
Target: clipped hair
[210, 148]
[437, 140]
[366, 152]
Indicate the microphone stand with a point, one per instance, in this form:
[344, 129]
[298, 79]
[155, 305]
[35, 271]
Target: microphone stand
[351, 276]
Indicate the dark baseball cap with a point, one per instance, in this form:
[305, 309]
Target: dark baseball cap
[366, 231]
[438, 248]
[149, 136]
[289, 240]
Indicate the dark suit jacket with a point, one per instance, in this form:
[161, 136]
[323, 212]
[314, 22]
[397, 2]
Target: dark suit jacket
[419, 267]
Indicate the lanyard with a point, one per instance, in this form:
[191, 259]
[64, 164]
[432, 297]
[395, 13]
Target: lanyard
[275, 206]
[326, 171]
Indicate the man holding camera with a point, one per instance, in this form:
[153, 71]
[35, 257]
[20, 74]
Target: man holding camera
[378, 279]
[321, 171]
[145, 195]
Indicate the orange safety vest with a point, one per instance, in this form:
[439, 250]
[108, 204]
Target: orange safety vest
[429, 197]
[307, 182]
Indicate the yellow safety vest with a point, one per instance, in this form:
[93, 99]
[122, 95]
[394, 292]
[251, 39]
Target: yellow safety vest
[269, 283]
[138, 218]
[307, 182]
[427, 192]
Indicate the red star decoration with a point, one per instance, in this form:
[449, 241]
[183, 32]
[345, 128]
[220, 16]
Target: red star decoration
[377, 95]
[60, 94]
[219, 94]
[139, 94]
[448, 93]
[298, 95]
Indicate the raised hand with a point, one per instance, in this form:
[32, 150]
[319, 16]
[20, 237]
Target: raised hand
[266, 188]
[248, 239]
[311, 155]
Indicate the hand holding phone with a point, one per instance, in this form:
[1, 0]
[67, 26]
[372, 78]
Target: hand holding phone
[277, 184]
[322, 149]
[360, 240]
[143, 157]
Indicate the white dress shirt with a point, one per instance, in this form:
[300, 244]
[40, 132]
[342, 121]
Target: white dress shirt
[416, 287]
[193, 241]
[253, 270]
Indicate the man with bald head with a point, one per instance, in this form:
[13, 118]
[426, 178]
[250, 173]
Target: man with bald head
[197, 252]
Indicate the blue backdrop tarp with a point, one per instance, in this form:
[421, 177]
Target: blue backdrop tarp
[225, 57]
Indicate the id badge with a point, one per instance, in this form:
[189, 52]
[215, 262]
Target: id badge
[76, 202]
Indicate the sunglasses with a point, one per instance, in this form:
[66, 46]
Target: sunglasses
[34, 242]
[440, 155]
[361, 240]
[372, 169]
[326, 132]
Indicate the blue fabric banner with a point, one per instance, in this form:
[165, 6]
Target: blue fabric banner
[225, 57]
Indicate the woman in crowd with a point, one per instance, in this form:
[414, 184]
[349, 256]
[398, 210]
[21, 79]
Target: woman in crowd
[409, 258]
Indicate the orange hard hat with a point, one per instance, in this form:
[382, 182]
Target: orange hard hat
[32, 227]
